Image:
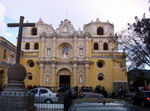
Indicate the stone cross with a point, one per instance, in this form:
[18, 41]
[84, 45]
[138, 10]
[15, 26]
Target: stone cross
[20, 25]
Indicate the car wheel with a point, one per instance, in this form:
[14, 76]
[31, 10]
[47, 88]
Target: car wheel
[48, 101]
[143, 104]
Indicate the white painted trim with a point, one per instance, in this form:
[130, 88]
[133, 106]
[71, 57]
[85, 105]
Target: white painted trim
[120, 81]
[119, 67]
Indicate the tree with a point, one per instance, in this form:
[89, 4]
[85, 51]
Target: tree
[135, 40]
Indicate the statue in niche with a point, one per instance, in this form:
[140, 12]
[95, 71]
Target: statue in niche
[65, 51]
[65, 28]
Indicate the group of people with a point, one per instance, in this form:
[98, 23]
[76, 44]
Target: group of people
[29, 87]
[122, 92]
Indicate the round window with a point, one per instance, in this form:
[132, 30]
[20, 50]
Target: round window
[30, 63]
[29, 76]
[100, 63]
[100, 77]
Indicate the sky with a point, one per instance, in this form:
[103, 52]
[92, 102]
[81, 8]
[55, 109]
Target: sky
[79, 12]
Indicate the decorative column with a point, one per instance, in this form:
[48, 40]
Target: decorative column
[110, 46]
[31, 45]
[41, 74]
[75, 49]
[86, 49]
[87, 75]
[54, 48]
[101, 45]
[53, 66]
[74, 78]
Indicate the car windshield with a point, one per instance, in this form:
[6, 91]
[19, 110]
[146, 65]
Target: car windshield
[93, 96]
[105, 109]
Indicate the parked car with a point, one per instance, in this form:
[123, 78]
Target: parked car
[85, 90]
[142, 98]
[45, 95]
[105, 104]
[93, 95]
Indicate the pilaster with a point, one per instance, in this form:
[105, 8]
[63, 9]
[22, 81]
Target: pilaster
[31, 46]
[74, 81]
[87, 75]
[86, 48]
[75, 49]
[54, 48]
[42, 48]
[23, 45]
[53, 66]
[41, 74]
[101, 45]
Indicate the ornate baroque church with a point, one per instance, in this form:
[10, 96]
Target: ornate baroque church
[66, 56]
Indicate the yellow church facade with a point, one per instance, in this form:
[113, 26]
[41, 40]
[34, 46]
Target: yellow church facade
[7, 58]
[65, 56]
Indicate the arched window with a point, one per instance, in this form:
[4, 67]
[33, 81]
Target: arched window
[34, 31]
[36, 46]
[105, 46]
[27, 46]
[4, 55]
[95, 46]
[100, 31]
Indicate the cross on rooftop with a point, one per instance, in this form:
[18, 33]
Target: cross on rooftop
[20, 25]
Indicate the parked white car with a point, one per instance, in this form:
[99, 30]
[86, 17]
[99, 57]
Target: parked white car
[45, 95]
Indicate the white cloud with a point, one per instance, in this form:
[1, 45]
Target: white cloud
[2, 13]
[118, 12]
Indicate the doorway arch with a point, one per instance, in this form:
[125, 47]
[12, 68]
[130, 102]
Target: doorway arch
[64, 77]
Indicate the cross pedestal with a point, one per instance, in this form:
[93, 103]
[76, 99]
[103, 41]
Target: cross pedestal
[15, 97]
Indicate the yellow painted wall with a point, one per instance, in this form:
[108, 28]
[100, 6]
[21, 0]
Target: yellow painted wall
[4, 61]
[107, 70]
[34, 70]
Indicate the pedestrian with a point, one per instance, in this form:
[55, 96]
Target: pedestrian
[124, 93]
[121, 92]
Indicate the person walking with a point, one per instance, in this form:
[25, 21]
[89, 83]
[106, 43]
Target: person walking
[121, 92]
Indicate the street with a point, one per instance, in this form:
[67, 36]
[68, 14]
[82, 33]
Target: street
[142, 109]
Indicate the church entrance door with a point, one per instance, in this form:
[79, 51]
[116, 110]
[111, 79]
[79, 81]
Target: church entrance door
[64, 80]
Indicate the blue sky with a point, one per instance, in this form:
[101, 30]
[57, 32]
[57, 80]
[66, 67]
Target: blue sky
[79, 12]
